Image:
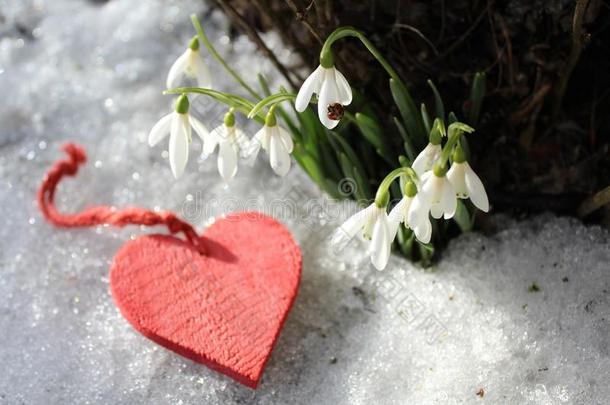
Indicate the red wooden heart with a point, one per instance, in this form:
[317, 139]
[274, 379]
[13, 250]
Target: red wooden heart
[224, 309]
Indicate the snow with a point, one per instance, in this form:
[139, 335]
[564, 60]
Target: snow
[521, 313]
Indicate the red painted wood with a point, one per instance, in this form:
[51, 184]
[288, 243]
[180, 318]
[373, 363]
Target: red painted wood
[224, 309]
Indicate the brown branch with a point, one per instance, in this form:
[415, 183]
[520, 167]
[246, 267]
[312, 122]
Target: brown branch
[594, 202]
[253, 35]
[577, 46]
[301, 16]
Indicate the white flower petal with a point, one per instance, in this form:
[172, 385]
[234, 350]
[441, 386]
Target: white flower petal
[254, 146]
[351, 226]
[448, 200]
[424, 161]
[227, 159]
[343, 88]
[311, 85]
[371, 219]
[398, 212]
[286, 138]
[278, 155]
[177, 70]
[240, 139]
[200, 70]
[214, 138]
[160, 130]
[418, 211]
[478, 196]
[328, 95]
[381, 244]
[436, 210]
[423, 232]
[178, 145]
[455, 175]
[200, 129]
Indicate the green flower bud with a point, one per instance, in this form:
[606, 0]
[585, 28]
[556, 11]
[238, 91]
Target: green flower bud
[382, 199]
[435, 136]
[194, 44]
[410, 189]
[229, 119]
[439, 169]
[327, 59]
[182, 104]
[270, 120]
[458, 155]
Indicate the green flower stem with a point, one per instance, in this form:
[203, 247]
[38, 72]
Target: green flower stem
[383, 195]
[343, 32]
[271, 100]
[327, 60]
[455, 132]
[206, 42]
[239, 103]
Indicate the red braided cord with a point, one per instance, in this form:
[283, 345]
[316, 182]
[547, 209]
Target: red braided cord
[99, 215]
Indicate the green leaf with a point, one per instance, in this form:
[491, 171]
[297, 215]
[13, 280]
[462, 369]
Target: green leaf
[232, 100]
[462, 217]
[272, 99]
[426, 252]
[439, 106]
[371, 130]
[311, 166]
[452, 119]
[409, 149]
[425, 118]
[477, 93]
[264, 85]
[348, 175]
[356, 165]
[409, 113]
[405, 238]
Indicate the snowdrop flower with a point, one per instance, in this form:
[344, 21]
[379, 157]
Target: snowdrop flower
[426, 158]
[400, 213]
[333, 92]
[178, 125]
[465, 181]
[375, 226]
[230, 140]
[276, 141]
[189, 64]
[437, 196]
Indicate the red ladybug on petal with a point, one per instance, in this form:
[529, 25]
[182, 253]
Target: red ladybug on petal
[335, 111]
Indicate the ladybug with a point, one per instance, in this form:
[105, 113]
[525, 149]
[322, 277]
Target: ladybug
[335, 111]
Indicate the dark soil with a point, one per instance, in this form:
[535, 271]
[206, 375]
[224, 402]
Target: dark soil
[535, 148]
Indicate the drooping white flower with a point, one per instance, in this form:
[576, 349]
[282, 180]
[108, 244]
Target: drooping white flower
[178, 125]
[190, 64]
[374, 224]
[426, 158]
[230, 140]
[400, 213]
[276, 141]
[436, 196]
[468, 185]
[331, 87]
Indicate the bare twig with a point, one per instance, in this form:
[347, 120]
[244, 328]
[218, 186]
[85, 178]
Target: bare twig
[594, 202]
[303, 18]
[251, 32]
[419, 34]
[578, 40]
[463, 37]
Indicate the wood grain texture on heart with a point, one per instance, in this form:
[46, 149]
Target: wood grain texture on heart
[224, 309]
